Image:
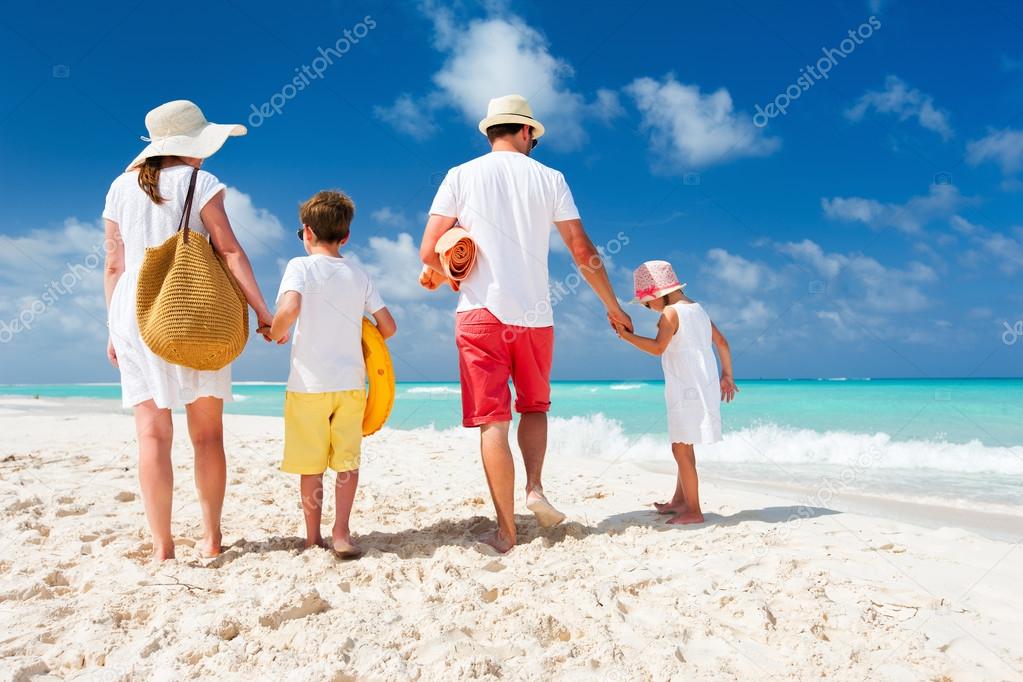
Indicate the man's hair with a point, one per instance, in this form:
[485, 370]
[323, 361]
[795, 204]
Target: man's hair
[329, 214]
[503, 130]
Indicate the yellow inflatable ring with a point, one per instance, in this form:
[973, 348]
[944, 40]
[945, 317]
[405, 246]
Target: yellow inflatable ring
[380, 376]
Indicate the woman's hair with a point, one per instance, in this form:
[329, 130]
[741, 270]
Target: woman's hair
[149, 177]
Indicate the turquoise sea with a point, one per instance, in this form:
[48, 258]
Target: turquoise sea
[953, 440]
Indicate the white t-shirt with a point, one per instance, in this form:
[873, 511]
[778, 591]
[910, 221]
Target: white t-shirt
[508, 203]
[326, 349]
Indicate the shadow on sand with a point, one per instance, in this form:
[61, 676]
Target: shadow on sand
[650, 517]
[419, 543]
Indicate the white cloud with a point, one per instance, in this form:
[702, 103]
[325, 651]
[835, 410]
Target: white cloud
[389, 217]
[494, 56]
[607, 106]
[737, 273]
[258, 230]
[409, 116]
[910, 217]
[690, 129]
[906, 103]
[869, 284]
[1002, 250]
[1004, 147]
[394, 266]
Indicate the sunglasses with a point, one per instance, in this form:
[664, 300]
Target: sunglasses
[301, 233]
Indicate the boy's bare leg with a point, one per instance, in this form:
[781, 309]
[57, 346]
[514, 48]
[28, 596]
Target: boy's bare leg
[155, 432]
[500, 470]
[532, 435]
[206, 429]
[678, 500]
[345, 486]
[686, 458]
[312, 508]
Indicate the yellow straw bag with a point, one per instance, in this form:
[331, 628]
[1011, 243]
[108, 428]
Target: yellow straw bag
[190, 309]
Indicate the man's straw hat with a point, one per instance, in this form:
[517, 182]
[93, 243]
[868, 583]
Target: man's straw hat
[511, 109]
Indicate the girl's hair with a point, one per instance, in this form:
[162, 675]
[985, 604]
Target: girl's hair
[149, 177]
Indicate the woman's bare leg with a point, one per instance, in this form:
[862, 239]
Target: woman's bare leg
[206, 428]
[155, 432]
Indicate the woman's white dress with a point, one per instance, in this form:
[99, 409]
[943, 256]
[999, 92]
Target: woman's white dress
[692, 388]
[143, 223]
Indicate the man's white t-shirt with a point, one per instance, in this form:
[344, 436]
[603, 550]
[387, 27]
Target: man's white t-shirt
[326, 349]
[508, 203]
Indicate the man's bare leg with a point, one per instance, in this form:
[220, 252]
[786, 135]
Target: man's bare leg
[500, 470]
[532, 435]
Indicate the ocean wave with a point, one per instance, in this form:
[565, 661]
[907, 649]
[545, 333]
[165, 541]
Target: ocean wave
[446, 390]
[604, 438]
[625, 387]
[239, 398]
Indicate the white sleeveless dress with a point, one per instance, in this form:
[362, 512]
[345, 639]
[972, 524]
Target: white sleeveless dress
[692, 388]
[143, 223]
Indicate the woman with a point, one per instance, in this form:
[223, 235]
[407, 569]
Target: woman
[143, 208]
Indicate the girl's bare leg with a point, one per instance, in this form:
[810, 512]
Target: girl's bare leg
[312, 508]
[678, 500]
[206, 429]
[690, 512]
[345, 486]
[155, 432]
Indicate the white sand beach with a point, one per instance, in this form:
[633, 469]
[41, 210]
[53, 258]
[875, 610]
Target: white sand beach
[763, 590]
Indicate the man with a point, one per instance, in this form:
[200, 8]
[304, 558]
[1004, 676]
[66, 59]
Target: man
[504, 323]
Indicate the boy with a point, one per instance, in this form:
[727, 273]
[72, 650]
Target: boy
[327, 294]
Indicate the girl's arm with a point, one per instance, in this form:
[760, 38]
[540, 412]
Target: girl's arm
[113, 268]
[728, 387]
[667, 325]
[214, 217]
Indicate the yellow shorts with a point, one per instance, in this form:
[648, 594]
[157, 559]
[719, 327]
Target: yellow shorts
[321, 430]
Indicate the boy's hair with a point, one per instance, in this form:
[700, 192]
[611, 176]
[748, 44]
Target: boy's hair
[329, 215]
[503, 130]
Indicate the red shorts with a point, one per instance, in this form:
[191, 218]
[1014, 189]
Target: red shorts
[489, 353]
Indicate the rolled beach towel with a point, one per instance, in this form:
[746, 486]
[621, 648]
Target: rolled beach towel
[457, 253]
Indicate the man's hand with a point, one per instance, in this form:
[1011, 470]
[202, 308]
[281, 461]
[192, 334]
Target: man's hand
[728, 388]
[618, 317]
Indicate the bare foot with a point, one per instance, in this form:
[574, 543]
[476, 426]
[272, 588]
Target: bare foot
[672, 507]
[210, 547]
[317, 542]
[687, 517]
[497, 541]
[546, 515]
[345, 548]
[163, 552]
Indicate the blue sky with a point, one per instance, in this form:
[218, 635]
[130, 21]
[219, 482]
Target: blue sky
[873, 229]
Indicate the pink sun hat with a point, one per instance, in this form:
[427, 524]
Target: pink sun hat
[653, 279]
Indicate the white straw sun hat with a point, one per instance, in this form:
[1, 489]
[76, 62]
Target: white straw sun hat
[179, 128]
[511, 109]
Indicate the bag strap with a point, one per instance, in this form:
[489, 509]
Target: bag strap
[186, 213]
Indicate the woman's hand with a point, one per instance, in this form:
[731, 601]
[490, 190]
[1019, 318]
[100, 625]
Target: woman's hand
[111, 353]
[728, 388]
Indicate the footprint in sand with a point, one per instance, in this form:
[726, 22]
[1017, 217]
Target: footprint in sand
[125, 496]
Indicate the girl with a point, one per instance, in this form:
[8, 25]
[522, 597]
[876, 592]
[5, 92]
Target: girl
[692, 388]
[142, 209]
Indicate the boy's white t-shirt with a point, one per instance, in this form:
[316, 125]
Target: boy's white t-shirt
[326, 349]
[508, 203]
